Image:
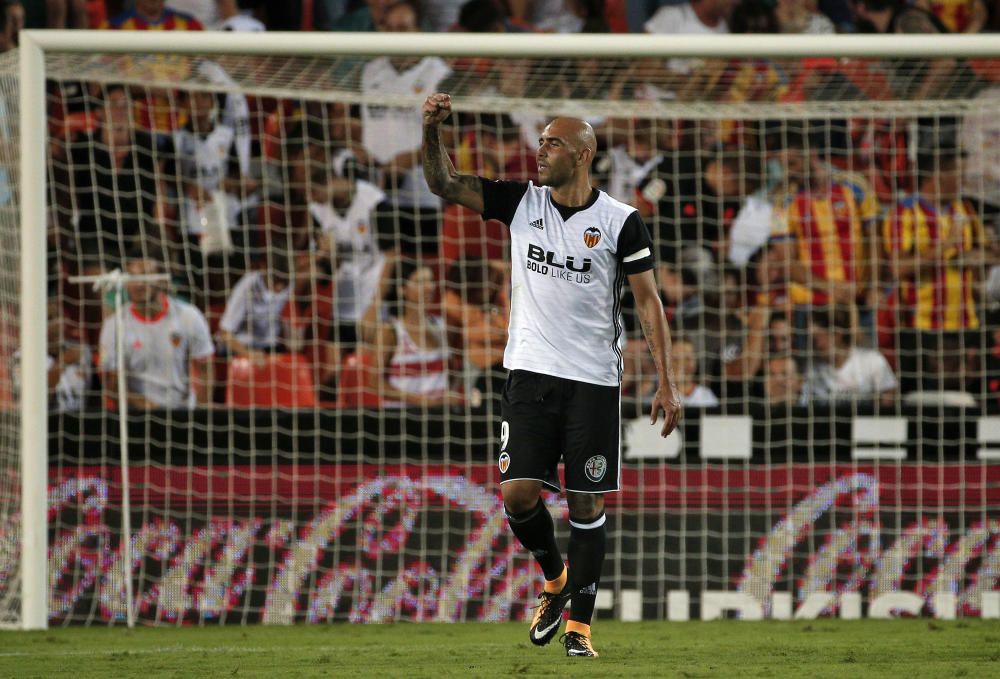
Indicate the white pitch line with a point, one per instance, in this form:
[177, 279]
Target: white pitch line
[167, 649]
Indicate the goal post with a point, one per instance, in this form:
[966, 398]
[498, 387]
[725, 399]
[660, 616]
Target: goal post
[815, 484]
[34, 398]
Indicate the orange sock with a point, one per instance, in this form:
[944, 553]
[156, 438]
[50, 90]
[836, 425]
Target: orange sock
[578, 627]
[557, 585]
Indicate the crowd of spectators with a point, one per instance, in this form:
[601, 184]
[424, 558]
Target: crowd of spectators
[800, 262]
[559, 16]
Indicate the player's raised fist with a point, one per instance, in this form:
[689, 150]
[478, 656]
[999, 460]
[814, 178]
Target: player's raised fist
[437, 108]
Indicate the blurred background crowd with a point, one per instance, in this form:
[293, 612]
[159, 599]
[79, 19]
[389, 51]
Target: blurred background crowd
[844, 260]
[559, 16]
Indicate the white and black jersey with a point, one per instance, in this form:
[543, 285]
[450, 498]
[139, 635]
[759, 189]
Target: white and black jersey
[359, 261]
[568, 269]
[206, 159]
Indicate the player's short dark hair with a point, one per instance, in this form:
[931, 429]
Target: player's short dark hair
[102, 92]
[148, 250]
[836, 318]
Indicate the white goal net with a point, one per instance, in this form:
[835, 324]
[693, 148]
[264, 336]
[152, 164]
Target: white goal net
[312, 401]
[10, 479]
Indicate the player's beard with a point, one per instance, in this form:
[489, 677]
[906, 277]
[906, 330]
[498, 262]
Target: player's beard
[555, 177]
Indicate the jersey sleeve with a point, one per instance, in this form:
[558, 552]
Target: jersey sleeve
[501, 198]
[635, 247]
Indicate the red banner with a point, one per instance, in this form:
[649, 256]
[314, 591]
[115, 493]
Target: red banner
[290, 543]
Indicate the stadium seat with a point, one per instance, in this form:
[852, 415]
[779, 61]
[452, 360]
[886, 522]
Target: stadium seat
[354, 389]
[284, 380]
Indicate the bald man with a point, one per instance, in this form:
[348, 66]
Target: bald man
[572, 247]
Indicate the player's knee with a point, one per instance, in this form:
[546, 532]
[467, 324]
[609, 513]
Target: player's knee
[519, 498]
[584, 506]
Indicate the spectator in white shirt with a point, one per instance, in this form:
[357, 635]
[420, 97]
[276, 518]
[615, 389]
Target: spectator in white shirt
[345, 211]
[251, 325]
[232, 18]
[697, 17]
[167, 344]
[392, 135]
[839, 369]
[779, 16]
[218, 15]
[205, 11]
[210, 166]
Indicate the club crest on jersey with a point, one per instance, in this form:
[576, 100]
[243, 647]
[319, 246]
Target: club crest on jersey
[175, 339]
[592, 236]
[595, 468]
[504, 463]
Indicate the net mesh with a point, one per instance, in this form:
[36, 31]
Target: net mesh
[824, 230]
[10, 490]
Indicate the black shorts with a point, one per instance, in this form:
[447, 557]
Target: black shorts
[546, 419]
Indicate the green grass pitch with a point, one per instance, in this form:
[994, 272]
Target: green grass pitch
[822, 648]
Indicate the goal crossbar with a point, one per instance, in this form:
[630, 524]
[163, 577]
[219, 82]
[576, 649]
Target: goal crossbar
[517, 45]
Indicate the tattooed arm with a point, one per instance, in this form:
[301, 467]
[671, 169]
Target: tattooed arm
[442, 178]
[657, 332]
